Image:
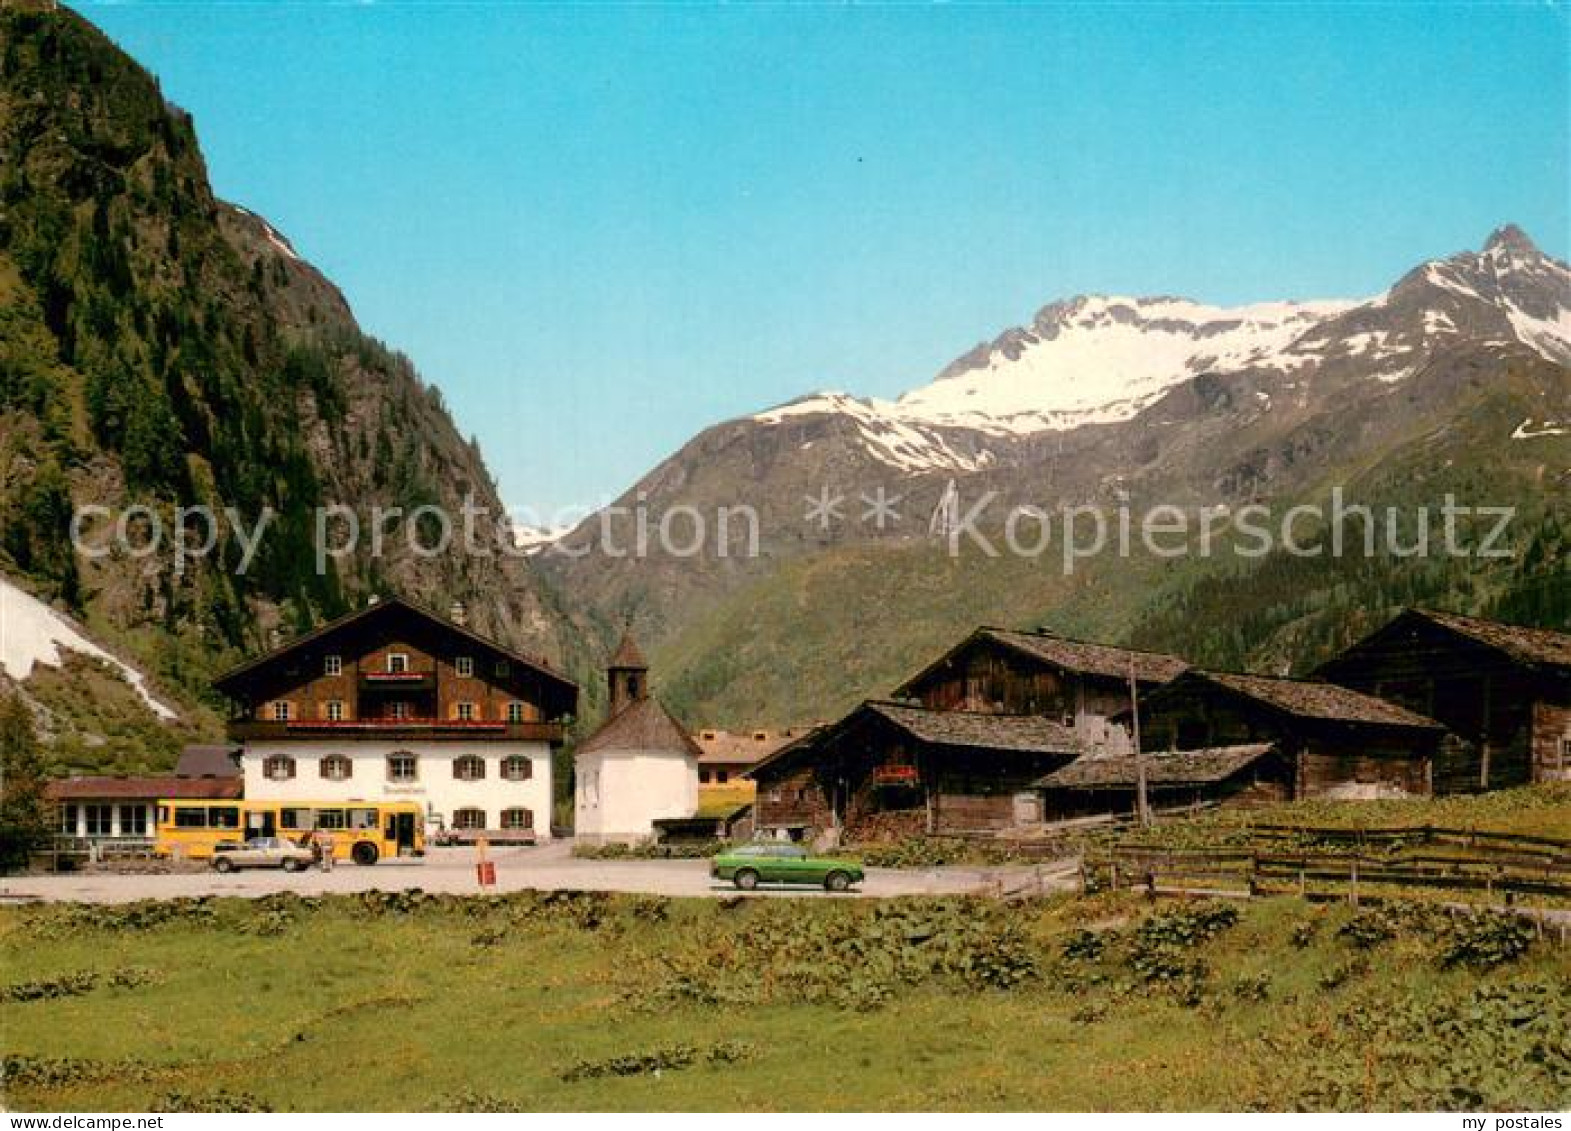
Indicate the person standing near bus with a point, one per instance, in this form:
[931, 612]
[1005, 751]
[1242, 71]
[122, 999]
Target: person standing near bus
[325, 839]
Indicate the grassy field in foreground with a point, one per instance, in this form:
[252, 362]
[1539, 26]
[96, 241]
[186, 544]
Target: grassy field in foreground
[403, 1001]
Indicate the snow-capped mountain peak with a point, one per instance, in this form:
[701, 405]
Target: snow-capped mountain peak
[1102, 359]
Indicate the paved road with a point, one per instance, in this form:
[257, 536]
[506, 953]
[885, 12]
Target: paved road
[550, 867]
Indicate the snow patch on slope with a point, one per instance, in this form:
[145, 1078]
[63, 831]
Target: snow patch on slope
[537, 539]
[1526, 431]
[32, 633]
[1549, 336]
[890, 434]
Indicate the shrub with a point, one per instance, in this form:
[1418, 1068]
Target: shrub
[1487, 940]
[666, 1059]
[216, 1100]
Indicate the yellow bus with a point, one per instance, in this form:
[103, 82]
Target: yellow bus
[362, 831]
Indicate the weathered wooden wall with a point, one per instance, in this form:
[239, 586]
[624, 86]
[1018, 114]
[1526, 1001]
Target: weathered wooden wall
[791, 797]
[1476, 692]
[1366, 768]
[1551, 742]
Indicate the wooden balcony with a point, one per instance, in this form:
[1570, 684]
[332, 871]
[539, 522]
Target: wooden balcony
[386, 730]
[397, 681]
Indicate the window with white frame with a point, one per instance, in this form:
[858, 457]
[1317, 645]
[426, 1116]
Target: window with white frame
[518, 818]
[517, 767]
[336, 767]
[333, 665]
[282, 711]
[335, 710]
[68, 819]
[515, 712]
[397, 662]
[402, 766]
[100, 819]
[465, 666]
[398, 710]
[469, 767]
[133, 820]
[278, 767]
[466, 712]
[469, 818]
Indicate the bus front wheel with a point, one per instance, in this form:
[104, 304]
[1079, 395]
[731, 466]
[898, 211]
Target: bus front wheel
[364, 854]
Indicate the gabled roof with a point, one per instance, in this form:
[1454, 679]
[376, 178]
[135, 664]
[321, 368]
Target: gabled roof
[743, 747]
[381, 609]
[208, 762]
[1078, 656]
[1190, 767]
[1309, 699]
[1030, 734]
[142, 788]
[642, 725]
[1525, 645]
[627, 654]
[804, 741]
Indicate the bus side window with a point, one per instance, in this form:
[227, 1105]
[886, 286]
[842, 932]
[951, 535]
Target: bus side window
[224, 816]
[192, 817]
[362, 818]
[163, 814]
[290, 819]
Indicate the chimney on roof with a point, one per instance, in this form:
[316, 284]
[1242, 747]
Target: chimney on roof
[458, 614]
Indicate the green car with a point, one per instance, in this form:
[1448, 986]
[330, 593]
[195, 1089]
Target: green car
[753, 864]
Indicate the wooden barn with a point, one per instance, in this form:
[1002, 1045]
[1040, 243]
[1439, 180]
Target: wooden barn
[892, 769]
[1253, 773]
[1504, 689]
[1078, 684]
[1338, 742]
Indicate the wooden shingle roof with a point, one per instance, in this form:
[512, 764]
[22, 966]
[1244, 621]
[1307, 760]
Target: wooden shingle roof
[1090, 659]
[1023, 733]
[1525, 645]
[627, 654]
[1310, 699]
[1191, 767]
[1078, 656]
[642, 725]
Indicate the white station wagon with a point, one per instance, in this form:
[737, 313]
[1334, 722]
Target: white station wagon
[261, 852]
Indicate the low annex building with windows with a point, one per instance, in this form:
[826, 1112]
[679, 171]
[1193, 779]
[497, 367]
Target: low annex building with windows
[395, 703]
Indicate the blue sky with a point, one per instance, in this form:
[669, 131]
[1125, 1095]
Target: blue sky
[600, 229]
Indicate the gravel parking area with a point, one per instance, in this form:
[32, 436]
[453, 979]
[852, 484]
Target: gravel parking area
[550, 867]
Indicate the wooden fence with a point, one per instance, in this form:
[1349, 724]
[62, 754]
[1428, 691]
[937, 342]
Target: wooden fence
[1502, 866]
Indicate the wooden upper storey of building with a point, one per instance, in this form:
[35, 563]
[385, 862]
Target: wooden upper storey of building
[1001, 671]
[396, 670]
